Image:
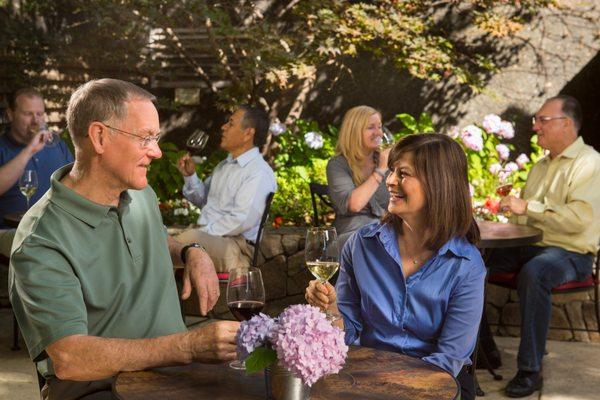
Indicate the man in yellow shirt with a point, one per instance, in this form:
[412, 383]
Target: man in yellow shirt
[561, 198]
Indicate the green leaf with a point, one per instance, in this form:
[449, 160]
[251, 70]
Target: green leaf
[408, 121]
[260, 359]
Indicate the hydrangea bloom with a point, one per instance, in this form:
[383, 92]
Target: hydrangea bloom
[277, 128]
[507, 131]
[511, 167]
[495, 168]
[522, 160]
[503, 151]
[253, 333]
[471, 190]
[492, 123]
[472, 137]
[307, 344]
[313, 140]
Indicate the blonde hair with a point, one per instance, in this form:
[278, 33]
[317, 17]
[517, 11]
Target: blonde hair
[350, 139]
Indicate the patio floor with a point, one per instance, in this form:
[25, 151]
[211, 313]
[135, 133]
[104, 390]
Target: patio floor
[571, 369]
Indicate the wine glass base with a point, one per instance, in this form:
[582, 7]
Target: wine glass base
[237, 364]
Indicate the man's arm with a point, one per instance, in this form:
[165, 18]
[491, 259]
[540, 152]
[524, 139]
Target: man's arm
[12, 170]
[199, 271]
[86, 358]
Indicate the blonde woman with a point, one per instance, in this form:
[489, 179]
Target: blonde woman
[356, 174]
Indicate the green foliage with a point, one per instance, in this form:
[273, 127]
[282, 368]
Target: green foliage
[260, 359]
[411, 125]
[296, 165]
[163, 175]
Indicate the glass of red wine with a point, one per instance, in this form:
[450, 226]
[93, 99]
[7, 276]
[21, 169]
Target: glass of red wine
[245, 297]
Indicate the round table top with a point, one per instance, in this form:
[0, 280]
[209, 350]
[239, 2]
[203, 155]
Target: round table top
[500, 235]
[368, 373]
[12, 219]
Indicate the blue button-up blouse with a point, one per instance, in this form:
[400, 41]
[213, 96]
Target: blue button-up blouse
[433, 315]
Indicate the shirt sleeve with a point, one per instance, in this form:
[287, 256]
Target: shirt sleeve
[248, 206]
[195, 190]
[348, 295]
[340, 183]
[461, 323]
[46, 297]
[577, 211]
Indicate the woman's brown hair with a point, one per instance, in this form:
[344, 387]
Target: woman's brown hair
[441, 166]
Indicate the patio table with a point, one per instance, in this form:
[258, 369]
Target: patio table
[368, 373]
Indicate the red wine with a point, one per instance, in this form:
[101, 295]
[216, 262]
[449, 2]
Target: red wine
[504, 190]
[244, 310]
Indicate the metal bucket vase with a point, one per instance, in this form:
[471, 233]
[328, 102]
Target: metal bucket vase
[283, 385]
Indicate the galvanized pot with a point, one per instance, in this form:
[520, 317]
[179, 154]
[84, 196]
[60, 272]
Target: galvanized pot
[283, 385]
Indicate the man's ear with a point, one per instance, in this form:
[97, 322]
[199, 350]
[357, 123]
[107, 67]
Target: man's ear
[98, 134]
[10, 114]
[249, 134]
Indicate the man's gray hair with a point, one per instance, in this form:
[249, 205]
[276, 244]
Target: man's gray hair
[100, 100]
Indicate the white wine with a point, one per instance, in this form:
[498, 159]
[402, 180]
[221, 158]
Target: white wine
[323, 270]
[28, 190]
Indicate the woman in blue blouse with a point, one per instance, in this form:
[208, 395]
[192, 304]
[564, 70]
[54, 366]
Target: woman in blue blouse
[413, 283]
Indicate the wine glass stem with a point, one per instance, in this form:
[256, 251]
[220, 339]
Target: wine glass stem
[27, 201]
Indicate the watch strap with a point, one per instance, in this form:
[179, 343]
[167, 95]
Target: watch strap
[185, 248]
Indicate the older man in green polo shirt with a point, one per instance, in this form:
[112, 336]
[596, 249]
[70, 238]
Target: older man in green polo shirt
[91, 275]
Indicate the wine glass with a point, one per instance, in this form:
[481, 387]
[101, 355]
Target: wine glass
[387, 140]
[51, 138]
[197, 140]
[322, 256]
[245, 297]
[28, 184]
[503, 185]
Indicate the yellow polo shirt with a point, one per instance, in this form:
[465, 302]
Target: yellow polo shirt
[563, 196]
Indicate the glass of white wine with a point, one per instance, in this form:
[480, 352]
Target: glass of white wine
[322, 255]
[28, 184]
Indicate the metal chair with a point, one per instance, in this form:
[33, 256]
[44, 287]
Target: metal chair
[509, 280]
[321, 191]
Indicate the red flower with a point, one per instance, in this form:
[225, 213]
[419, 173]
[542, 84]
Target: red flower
[277, 221]
[492, 205]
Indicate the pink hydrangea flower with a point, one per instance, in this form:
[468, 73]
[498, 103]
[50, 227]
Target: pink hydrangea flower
[507, 131]
[522, 160]
[307, 344]
[511, 167]
[495, 168]
[472, 137]
[503, 151]
[491, 123]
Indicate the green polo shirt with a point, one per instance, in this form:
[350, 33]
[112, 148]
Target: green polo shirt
[79, 267]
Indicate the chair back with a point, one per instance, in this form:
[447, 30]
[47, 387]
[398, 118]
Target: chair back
[318, 190]
[261, 227]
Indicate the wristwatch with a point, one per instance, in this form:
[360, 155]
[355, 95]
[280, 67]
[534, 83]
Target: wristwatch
[381, 172]
[185, 248]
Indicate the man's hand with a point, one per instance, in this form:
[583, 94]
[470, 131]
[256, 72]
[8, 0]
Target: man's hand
[213, 343]
[186, 165]
[320, 295]
[37, 142]
[200, 271]
[513, 204]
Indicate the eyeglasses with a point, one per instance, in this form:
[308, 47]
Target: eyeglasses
[543, 119]
[145, 141]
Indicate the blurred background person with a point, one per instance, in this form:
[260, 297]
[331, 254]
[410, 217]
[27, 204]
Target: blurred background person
[356, 174]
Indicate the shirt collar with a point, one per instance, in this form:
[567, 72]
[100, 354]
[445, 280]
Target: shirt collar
[81, 208]
[457, 246]
[573, 149]
[244, 158]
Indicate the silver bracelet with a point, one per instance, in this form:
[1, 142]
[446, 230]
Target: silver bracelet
[381, 172]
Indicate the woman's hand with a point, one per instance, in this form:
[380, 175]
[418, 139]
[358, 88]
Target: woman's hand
[320, 295]
[383, 159]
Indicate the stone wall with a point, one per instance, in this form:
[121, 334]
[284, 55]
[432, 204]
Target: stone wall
[283, 269]
[569, 311]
